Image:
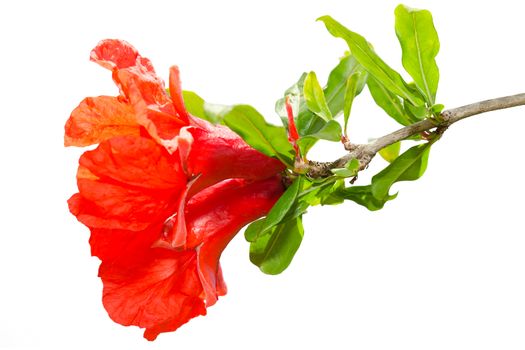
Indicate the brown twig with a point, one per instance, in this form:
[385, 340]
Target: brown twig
[365, 152]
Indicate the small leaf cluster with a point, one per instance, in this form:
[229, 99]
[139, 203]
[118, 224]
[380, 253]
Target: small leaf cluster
[275, 239]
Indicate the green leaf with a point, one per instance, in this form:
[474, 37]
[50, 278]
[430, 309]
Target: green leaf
[295, 92]
[437, 109]
[351, 169]
[415, 112]
[197, 107]
[254, 230]
[194, 104]
[407, 167]
[350, 92]
[309, 123]
[245, 121]
[264, 137]
[420, 45]
[214, 113]
[273, 252]
[390, 153]
[330, 131]
[283, 205]
[314, 96]
[374, 65]
[329, 194]
[337, 80]
[389, 102]
[342, 172]
[362, 195]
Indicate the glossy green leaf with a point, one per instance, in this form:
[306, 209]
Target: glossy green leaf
[245, 121]
[362, 195]
[420, 45]
[329, 194]
[350, 93]
[390, 153]
[264, 137]
[351, 169]
[330, 131]
[314, 189]
[343, 172]
[437, 109]
[273, 251]
[415, 112]
[389, 102]
[215, 113]
[254, 230]
[407, 167]
[285, 203]
[308, 123]
[194, 104]
[353, 165]
[314, 97]
[295, 92]
[374, 65]
[197, 107]
[337, 80]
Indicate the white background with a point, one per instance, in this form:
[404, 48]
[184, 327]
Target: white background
[441, 267]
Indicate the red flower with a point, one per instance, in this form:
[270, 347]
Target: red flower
[163, 194]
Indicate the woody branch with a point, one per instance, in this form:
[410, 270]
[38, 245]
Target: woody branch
[365, 152]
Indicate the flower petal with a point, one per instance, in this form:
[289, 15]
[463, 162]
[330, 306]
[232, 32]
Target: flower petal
[159, 294]
[124, 247]
[99, 118]
[141, 88]
[217, 153]
[176, 93]
[127, 183]
[115, 53]
[215, 221]
[175, 231]
[160, 289]
[135, 161]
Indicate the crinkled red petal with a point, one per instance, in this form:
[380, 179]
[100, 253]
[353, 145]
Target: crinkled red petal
[159, 294]
[99, 118]
[141, 88]
[127, 183]
[217, 153]
[176, 94]
[135, 161]
[145, 92]
[115, 53]
[133, 191]
[160, 289]
[215, 221]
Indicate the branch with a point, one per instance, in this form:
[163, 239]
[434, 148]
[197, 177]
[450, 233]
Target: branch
[365, 152]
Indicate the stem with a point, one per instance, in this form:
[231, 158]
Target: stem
[364, 153]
